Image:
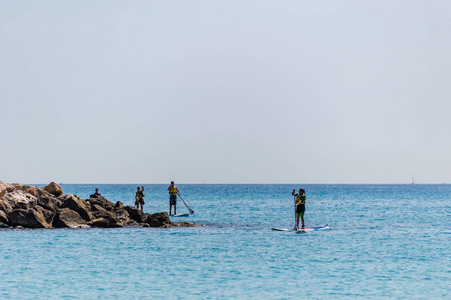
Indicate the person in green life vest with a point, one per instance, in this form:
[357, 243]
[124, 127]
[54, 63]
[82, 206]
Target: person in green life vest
[173, 191]
[139, 198]
[300, 206]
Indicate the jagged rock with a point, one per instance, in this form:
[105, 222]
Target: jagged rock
[15, 187]
[3, 217]
[101, 201]
[3, 189]
[131, 223]
[48, 214]
[102, 213]
[20, 200]
[5, 206]
[99, 222]
[3, 225]
[30, 218]
[158, 219]
[46, 200]
[78, 205]
[135, 214]
[54, 189]
[67, 218]
[122, 215]
[119, 204]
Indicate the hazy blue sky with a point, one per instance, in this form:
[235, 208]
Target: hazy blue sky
[225, 91]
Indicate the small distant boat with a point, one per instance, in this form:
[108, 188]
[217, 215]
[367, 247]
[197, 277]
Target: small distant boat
[413, 180]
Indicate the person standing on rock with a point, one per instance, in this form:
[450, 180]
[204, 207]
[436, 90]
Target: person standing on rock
[173, 191]
[139, 198]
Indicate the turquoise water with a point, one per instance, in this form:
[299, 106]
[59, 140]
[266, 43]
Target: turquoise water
[385, 242]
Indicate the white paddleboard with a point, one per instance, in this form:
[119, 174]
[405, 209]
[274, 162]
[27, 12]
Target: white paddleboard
[307, 229]
[180, 215]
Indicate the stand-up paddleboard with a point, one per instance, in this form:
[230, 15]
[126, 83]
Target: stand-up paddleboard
[180, 215]
[307, 229]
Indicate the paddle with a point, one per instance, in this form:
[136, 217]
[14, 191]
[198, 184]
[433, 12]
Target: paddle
[190, 210]
[295, 227]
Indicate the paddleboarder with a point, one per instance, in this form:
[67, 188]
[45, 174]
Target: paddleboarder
[300, 206]
[173, 191]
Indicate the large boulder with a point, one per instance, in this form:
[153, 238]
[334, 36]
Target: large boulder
[122, 215]
[20, 199]
[158, 220]
[30, 218]
[101, 201]
[54, 189]
[99, 222]
[67, 218]
[46, 200]
[135, 214]
[100, 212]
[77, 204]
[48, 214]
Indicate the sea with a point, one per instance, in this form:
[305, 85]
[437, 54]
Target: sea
[384, 242]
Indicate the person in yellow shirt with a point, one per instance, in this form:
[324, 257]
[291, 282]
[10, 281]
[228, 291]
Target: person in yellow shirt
[300, 206]
[173, 191]
[139, 198]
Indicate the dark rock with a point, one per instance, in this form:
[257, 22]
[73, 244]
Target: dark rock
[3, 217]
[135, 214]
[54, 189]
[158, 219]
[99, 222]
[47, 200]
[78, 205]
[122, 215]
[30, 218]
[3, 225]
[101, 201]
[100, 212]
[67, 218]
[119, 205]
[48, 214]
[131, 223]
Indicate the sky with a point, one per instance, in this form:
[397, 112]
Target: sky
[225, 91]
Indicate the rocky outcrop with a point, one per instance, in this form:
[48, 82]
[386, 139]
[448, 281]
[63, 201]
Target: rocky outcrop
[25, 206]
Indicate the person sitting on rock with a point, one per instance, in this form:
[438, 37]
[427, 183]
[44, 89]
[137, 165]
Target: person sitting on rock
[96, 194]
[139, 198]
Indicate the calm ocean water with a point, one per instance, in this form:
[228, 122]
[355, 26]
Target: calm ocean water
[385, 242]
